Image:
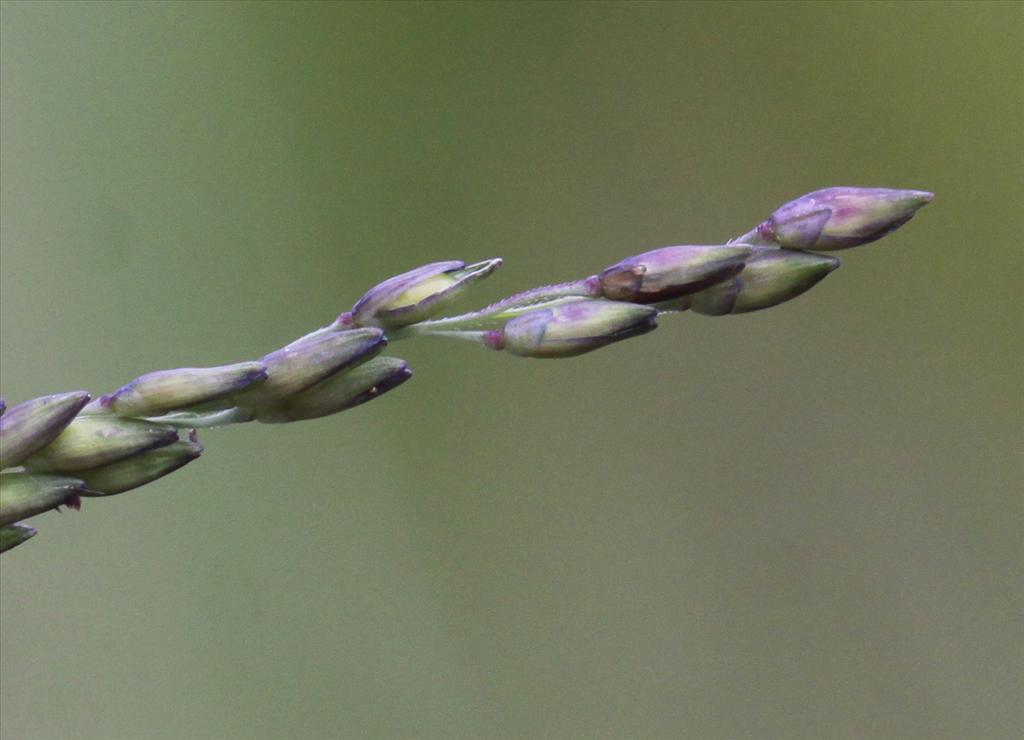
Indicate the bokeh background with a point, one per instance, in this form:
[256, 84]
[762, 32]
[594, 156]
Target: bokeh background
[804, 523]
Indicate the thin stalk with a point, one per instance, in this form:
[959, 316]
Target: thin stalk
[753, 238]
[203, 419]
[496, 314]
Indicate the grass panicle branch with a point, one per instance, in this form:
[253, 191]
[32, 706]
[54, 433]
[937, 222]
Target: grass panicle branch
[57, 449]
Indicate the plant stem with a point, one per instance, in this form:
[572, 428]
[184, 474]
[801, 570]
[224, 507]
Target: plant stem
[753, 238]
[496, 314]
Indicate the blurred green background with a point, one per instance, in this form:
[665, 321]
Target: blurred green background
[803, 523]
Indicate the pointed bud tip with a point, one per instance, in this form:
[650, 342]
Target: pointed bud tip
[32, 425]
[393, 381]
[15, 534]
[912, 200]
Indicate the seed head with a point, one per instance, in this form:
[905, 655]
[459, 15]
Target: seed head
[670, 272]
[570, 329]
[838, 218]
[416, 295]
[32, 425]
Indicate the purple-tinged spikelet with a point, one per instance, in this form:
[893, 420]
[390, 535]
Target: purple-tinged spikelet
[416, 295]
[841, 217]
[571, 329]
[670, 272]
[770, 277]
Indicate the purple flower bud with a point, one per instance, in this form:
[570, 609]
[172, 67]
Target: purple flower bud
[838, 218]
[340, 392]
[3, 406]
[138, 470]
[166, 390]
[770, 277]
[13, 535]
[23, 495]
[32, 425]
[570, 329]
[670, 272]
[93, 440]
[301, 364]
[416, 295]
